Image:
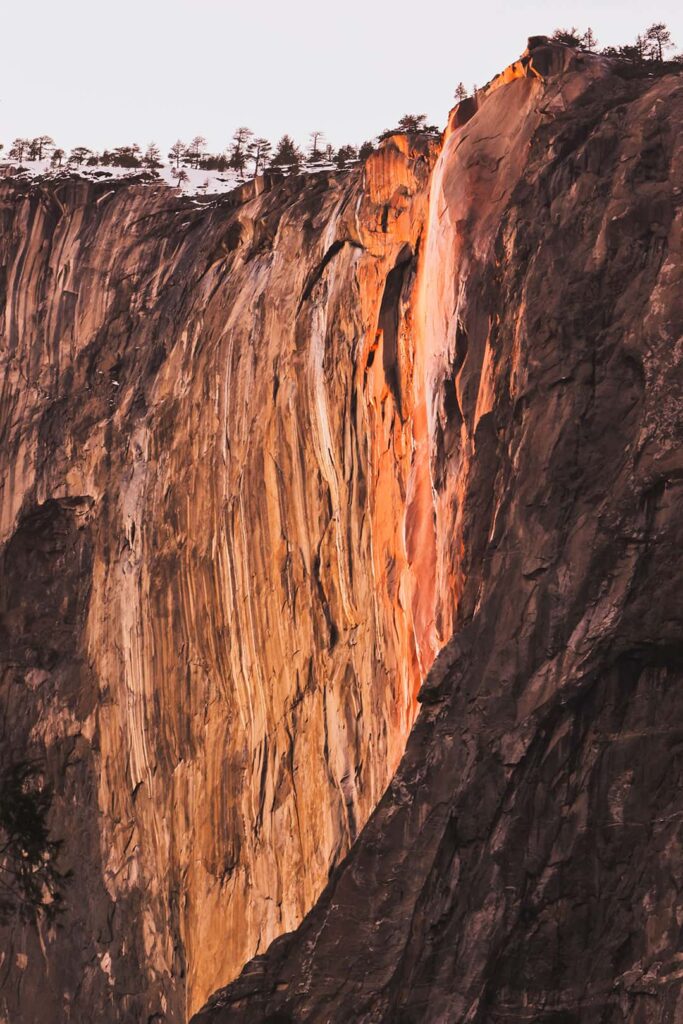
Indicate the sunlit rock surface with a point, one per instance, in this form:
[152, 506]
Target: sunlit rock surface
[526, 862]
[210, 631]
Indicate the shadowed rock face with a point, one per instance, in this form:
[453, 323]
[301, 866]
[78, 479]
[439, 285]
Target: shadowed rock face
[526, 861]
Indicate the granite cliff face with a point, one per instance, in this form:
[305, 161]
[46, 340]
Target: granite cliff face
[210, 631]
[263, 458]
[526, 861]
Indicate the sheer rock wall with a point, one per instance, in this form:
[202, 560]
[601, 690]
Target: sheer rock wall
[208, 621]
[526, 861]
[263, 458]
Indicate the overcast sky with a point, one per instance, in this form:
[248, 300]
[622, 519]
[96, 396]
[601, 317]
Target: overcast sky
[96, 73]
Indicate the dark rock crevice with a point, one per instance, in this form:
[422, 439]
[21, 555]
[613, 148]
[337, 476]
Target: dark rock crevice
[390, 320]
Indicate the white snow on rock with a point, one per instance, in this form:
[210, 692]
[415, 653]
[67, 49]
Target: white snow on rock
[199, 181]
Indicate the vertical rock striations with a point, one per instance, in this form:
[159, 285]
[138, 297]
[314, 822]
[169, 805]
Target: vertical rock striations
[207, 617]
[525, 862]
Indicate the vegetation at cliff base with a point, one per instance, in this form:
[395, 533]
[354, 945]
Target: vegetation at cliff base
[29, 878]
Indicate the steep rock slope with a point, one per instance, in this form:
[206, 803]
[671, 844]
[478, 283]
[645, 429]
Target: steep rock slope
[209, 631]
[526, 861]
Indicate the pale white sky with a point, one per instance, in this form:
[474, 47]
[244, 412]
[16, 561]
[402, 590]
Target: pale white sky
[96, 73]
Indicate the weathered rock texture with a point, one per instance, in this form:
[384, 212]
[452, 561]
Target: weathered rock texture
[526, 862]
[262, 457]
[209, 632]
